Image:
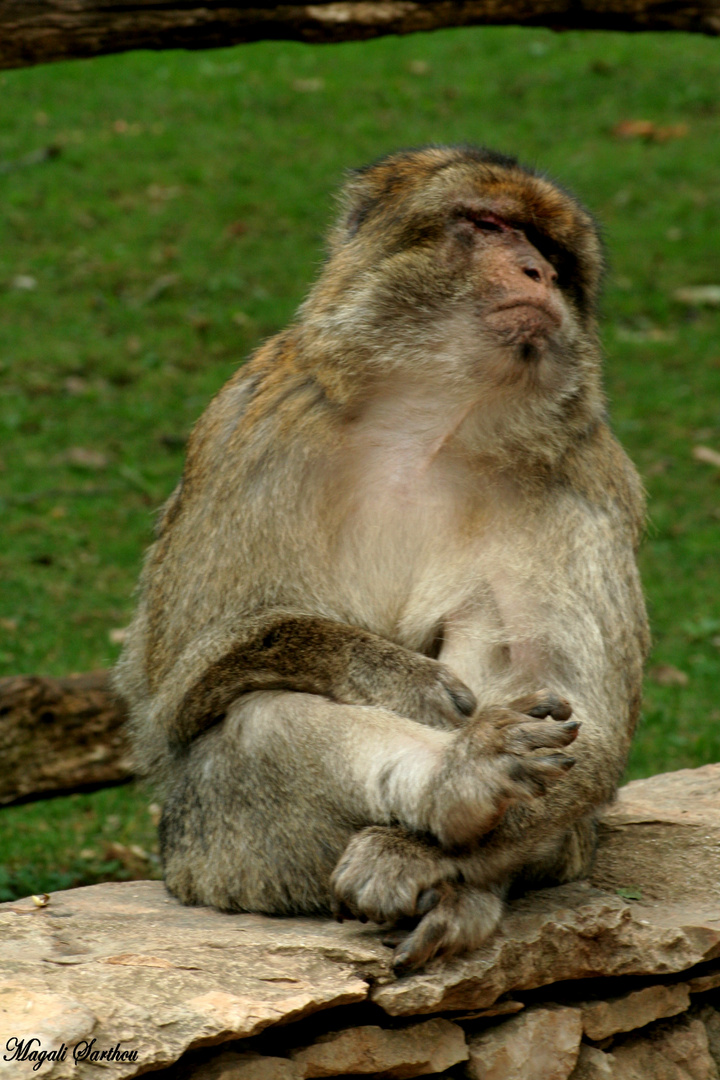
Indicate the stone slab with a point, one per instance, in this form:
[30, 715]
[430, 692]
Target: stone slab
[670, 825]
[126, 965]
[136, 968]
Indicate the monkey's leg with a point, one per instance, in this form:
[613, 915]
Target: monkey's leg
[570, 858]
[262, 807]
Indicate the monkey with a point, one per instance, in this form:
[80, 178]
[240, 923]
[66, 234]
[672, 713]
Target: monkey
[397, 580]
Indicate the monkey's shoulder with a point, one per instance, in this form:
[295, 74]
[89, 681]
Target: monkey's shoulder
[598, 470]
[275, 395]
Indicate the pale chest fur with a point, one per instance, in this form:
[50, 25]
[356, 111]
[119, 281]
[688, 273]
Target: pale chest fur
[427, 542]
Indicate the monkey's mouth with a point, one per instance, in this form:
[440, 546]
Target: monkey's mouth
[520, 322]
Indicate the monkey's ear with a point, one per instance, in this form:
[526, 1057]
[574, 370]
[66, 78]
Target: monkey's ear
[355, 217]
[357, 201]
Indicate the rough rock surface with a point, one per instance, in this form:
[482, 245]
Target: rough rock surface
[152, 982]
[159, 978]
[674, 820]
[674, 1052]
[538, 1043]
[234, 1066]
[416, 1050]
[603, 1018]
[593, 1064]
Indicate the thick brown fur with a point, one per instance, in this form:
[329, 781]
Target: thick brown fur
[403, 543]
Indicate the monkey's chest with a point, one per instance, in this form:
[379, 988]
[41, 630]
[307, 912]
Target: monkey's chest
[408, 546]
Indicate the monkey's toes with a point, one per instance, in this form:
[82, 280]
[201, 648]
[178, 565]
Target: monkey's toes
[461, 920]
[542, 704]
[534, 775]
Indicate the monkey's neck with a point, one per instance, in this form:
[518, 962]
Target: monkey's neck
[431, 425]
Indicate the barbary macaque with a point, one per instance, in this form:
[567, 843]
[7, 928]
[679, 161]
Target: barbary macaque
[397, 580]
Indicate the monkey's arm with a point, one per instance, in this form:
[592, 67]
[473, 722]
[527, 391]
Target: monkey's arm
[592, 646]
[280, 650]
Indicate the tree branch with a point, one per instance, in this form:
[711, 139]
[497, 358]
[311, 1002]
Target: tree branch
[37, 31]
[60, 735]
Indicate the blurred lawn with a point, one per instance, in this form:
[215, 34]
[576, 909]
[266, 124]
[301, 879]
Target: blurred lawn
[181, 222]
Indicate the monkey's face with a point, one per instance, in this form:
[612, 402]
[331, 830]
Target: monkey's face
[460, 260]
[508, 290]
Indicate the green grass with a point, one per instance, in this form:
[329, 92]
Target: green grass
[182, 221]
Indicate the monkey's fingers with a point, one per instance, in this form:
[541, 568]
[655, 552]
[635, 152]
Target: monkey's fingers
[541, 704]
[419, 947]
[462, 699]
[392, 938]
[540, 734]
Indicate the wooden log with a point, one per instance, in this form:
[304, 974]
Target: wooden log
[37, 31]
[60, 735]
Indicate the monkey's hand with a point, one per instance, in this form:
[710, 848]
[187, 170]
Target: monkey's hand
[384, 674]
[503, 757]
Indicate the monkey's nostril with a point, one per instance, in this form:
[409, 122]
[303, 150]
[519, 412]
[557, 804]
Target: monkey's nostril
[532, 273]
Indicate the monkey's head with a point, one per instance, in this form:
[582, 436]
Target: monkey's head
[460, 257]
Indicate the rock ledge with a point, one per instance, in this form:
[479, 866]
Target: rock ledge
[617, 977]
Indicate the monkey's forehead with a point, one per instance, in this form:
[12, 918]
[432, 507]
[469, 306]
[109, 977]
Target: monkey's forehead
[429, 182]
[432, 180]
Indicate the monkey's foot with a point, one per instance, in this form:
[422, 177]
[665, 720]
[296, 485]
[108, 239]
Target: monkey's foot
[386, 875]
[461, 920]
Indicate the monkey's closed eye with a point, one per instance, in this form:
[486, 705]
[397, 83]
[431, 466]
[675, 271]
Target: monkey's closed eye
[485, 222]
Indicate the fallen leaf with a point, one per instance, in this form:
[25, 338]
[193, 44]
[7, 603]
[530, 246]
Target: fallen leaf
[23, 281]
[163, 192]
[86, 458]
[659, 467]
[199, 322]
[75, 386]
[132, 857]
[647, 129]
[308, 86]
[706, 454]
[649, 334]
[699, 295]
[634, 129]
[160, 286]
[630, 894]
[419, 67]
[10, 625]
[667, 675]
[117, 636]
